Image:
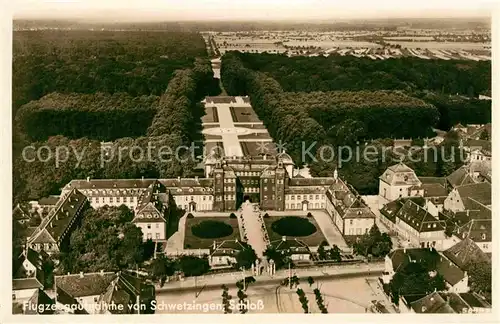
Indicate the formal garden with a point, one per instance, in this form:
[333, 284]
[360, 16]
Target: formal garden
[201, 232]
[301, 227]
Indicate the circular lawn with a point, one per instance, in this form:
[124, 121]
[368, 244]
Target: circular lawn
[293, 226]
[210, 229]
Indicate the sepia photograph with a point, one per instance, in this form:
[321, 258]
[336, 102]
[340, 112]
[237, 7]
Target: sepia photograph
[249, 157]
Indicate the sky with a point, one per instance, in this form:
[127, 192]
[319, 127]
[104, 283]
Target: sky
[152, 10]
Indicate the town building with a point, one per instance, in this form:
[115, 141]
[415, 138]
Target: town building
[411, 221]
[456, 279]
[53, 233]
[397, 182]
[298, 251]
[223, 254]
[347, 210]
[466, 197]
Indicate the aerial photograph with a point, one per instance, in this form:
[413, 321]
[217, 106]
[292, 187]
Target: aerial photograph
[251, 157]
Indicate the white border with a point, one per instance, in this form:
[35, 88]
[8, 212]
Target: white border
[6, 221]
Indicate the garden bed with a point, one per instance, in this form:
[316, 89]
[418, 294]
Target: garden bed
[313, 239]
[202, 224]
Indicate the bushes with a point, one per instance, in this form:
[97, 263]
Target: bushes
[233, 216]
[190, 215]
[293, 226]
[211, 229]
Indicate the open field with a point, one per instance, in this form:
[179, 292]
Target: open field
[311, 240]
[191, 241]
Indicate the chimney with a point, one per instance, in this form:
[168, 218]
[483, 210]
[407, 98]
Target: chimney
[88, 179]
[81, 274]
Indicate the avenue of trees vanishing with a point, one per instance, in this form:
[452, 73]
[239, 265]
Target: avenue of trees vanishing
[343, 116]
[80, 120]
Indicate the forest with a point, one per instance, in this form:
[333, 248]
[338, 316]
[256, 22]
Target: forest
[173, 122]
[99, 116]
[84, 61]
[335, 72]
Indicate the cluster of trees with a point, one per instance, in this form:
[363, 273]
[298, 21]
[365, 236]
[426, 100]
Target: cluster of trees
[363, 174]
[106, 240]
[179, 110]
[320, 301]
[480, 279]
[39, 176]
[97, 116]
[337, 72]
[373, 243]
[226, 300]
[332, 253]
[347, 116]
[415, 279]
[303, 300]
[84, 61]
[458, 109]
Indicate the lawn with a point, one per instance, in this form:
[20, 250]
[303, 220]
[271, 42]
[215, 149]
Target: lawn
[311, 240]
[244, 114]
[192, 241]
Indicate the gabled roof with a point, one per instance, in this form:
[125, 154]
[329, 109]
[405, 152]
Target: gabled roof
[20, 213]
[455, 302]
[56, 223]
[87, 284]
[26, 283]
[460, 176]
[474, 300]
[114, 295]
[419, 218]
[431, 259]
[432, 180]
[431, 304]
[434, 190]
[149, 207]
[478, 230]
[464, 253]
[400, 174]
[226, 247]
[109, 184]
[42, 300]
[69, 301]
[290, 244]
[481, 192]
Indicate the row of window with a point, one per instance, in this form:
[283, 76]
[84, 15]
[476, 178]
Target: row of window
[149, 236]
[311, 197]
[229, 180]
[228, 188]
[230, 197]
[112, 199]
[310, 205]
[252, 190]
[248, 174]
[191, 198]
[249, 181]
[357, 231]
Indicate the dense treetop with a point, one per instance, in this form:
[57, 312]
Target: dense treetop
[84, 61]
[337, 72]
[98, 116]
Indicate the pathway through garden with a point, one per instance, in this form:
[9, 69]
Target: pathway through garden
[253, 229]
